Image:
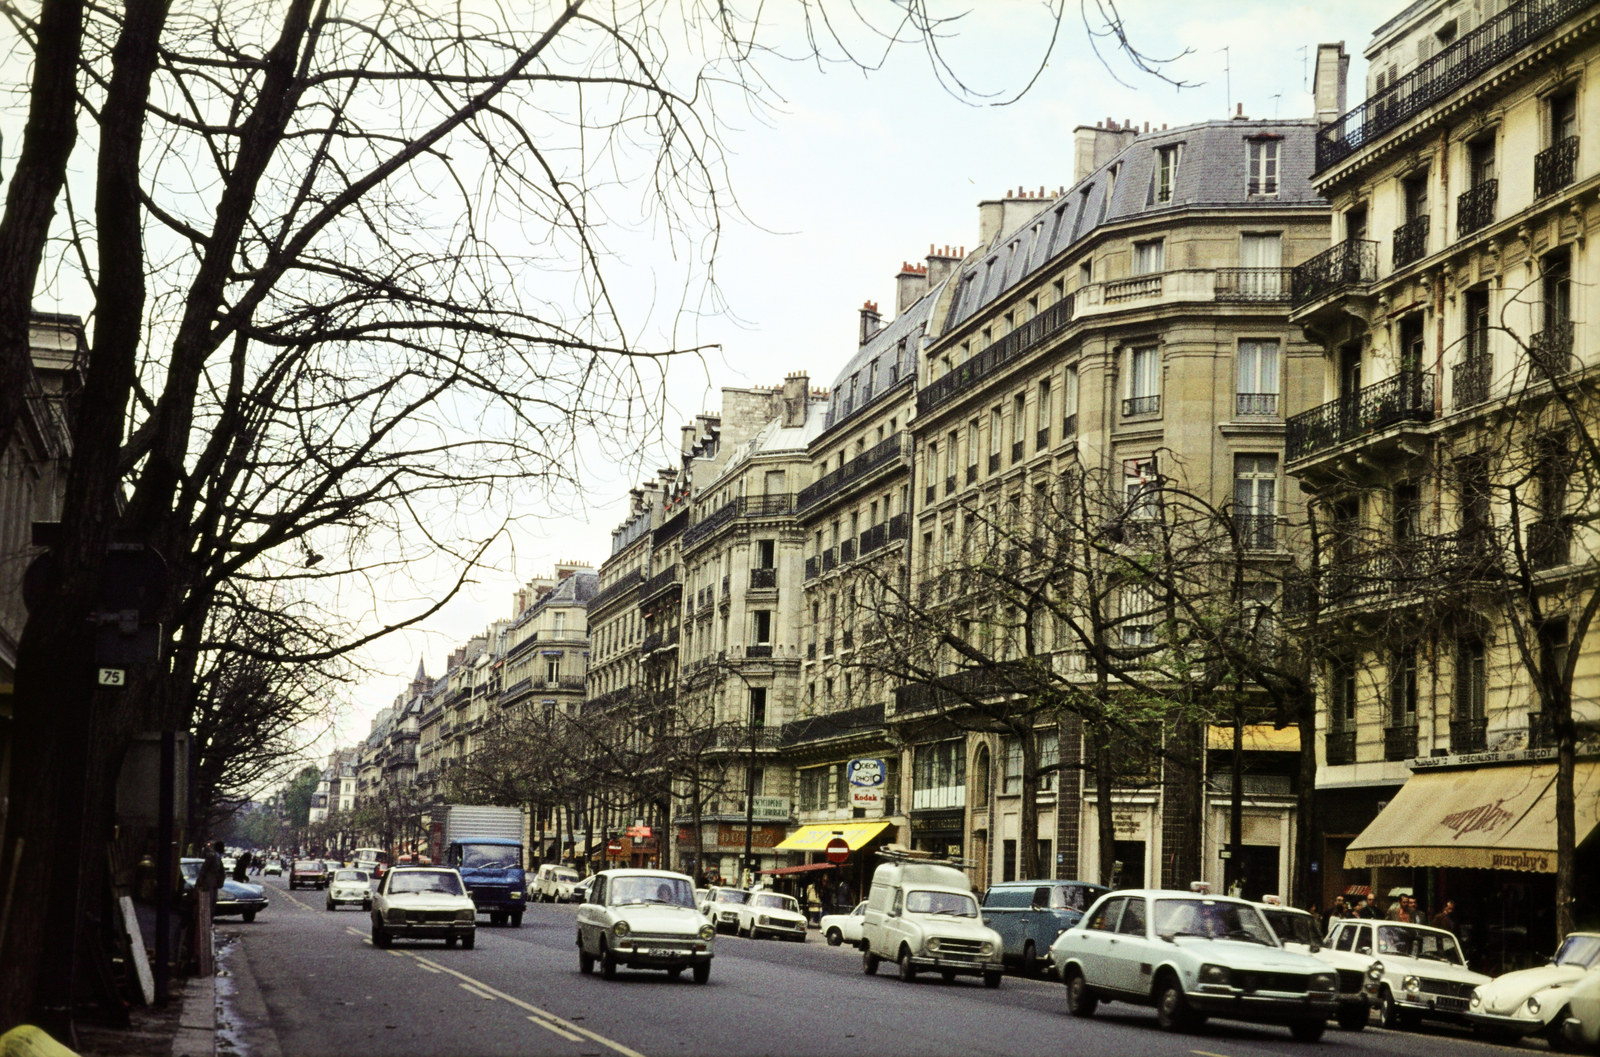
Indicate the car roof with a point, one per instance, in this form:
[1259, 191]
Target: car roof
[1173, 893]
[1045, 882]
[1287, 909]
[634, 872]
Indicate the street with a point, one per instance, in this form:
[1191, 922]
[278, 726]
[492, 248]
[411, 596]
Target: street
[306, 982]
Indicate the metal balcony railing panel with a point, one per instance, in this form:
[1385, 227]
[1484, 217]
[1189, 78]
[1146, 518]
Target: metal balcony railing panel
[899, 527]
[1549, 543]
[663, 580]
[1411, 241]
[1257, 532]
[1475, 209]
[830, 558]
[1069, 426]
[870, 395]
[763, 652]
[1252, 285]
[1555, 168]
[727, 586]
[1404, 397]
[711, 522]
[1469, 380]
[1542, 731]
[763, 579]
[950, 485]
[827, 646]
[994, 461]
[813, 568]
[1400, 743]
[1469, 735]
[811, 651]
[1340, 747]
[1353, 262]
[1008, 348]
[881, 454]
[629, 582]
[1255, 403]
[1041, 439]
[1492, 42]
[972, 474]
[930, 494]
[1550, 350]
[849, 638]
[847, 551]
[1140, 405]
[1016, 452]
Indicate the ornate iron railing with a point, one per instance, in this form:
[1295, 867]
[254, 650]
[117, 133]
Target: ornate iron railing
[1256, 531]
[1475, 208]
[763, 579]
[1140, 405]
[881, 454]
[847, 551]
[963, 376]
[1254, 284]
[1340, 747]
[1353, 262]
[1550, 350]
[1411, 241]
[1469, 380]
[1469, 735]
[1255, 403]
[1542, 731]
[628, 582]
[660, 582]
[1549, 544]
[1400, 743]
[1069, 426]
[1404, 397]
[1555, 168]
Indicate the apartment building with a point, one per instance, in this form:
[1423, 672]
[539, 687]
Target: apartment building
[1446, 454]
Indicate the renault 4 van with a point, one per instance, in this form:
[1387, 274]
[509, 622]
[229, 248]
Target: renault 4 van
[921, 915]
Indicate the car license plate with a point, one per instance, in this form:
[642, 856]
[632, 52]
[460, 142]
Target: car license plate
[661, 952]
[1452, 1004]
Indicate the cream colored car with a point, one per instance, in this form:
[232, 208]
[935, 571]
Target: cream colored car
[921, 916]
[1582, 1026]
[350, 887]
[770, 914]
[1534, 1001]
[425, 903]
[644, 919]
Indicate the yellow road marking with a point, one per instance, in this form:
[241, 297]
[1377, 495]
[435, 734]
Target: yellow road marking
[426, 968]
[1206, 1053]
[480, 994]
[559, 1031]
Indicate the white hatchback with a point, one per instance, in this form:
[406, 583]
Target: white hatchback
[350, 887]
[770, 914]
[844, 928]
[643, 919]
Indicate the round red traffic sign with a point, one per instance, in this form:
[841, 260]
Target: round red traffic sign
[838, 850]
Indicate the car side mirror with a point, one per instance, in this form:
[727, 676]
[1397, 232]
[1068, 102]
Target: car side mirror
[1363, 950]
[1168, 937]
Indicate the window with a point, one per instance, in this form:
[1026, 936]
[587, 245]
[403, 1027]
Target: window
[1019, 424]
[1261, 258]
[560, 617]
[1012, 783]
[1475, 324]
[1143, 394]
[1413, 343]
[1069, 402]
[1471, 679]
[1141, 489]
[1472, 475]
[758, 708]
[1049, 743]
[1414, 195]
[1255, 498]
[1553, 647]
[552, 670]
[763, 626]
[1563, 117]
[1258, 378]
[1043, 415]
[1137, 616]
[1480, 162]
[1149, 257]
[766, 554]
[1166, 174]
[1403, 687]
[1342, 695]
[1405, 507]
[1263, 177]
[939, 775]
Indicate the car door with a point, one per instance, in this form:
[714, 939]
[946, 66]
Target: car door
[1038, 924]
[1128, 965]
[1093, 942]
[589, 915]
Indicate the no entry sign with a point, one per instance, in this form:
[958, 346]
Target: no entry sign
[838, 850]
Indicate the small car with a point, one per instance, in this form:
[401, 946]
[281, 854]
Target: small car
[1029, 915]
[554, 883]
[1582, 1026]
[643, 919]
[770, 914]
[1359, 975]
[844, 928]
[1192, 956]
[350, 886]
[1534, 1001]
[234, 897]
[424, 902]
[721, 906]
[580, 891]
[308, 873]
[273, 868]
[1424, 975]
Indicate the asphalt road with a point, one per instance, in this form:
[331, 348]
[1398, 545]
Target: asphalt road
[305, 982]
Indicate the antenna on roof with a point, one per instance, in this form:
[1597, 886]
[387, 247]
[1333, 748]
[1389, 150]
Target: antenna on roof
[1227, 78]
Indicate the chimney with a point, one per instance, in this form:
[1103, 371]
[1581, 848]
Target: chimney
[1238, 114]
[1093, 147]
[941, 262]
[871, 321]
[991, 215]
[1328, 83]
[635, 500]
[910, 284]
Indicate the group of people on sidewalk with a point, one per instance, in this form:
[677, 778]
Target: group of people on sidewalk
[1403, 909]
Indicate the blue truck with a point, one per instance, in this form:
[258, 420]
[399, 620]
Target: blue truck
[485, 844]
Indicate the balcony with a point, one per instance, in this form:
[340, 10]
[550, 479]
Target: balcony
[742, 507]
[1469, 381]
[1016, 452]
[1490, 44]
[1411, 241]
[1137, 288]
[1004, 351]
[1041, 439]
[950, 485]
[1400, 743]
[1542, 731]
[972, 474]
[1555, 168]
[874, 538]
[1254, 285]
[1549, 544]
[994, 462]
[763, 579]
[1340, 747]
[1550, 350]
[662, 581]
[899, 527]
[1255, 403]
[627, 584]
[762, 653]
[847, 551]
[879, 455]
[1469, 735]
[1405, 397]
[1475, 208]
[1397, 572]
[830, 559]
[1257, 532]
[1140, 405]
[1350, 263]
[813, 568]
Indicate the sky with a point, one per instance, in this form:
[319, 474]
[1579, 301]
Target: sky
[854, 174]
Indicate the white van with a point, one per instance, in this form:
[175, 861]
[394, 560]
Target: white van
[921, 915]
[555, 883]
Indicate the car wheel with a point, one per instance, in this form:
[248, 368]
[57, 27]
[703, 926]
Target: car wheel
[516, 920]
[1308, 1030]
[1081, 1001]
[469, 940]
[992, 980]
[908, 972]
[497, 920]
[869, 962]
[702, 972]
[367, 906]
[249, 916]
[329, 905]
[380, 937]
[1172, 1008]
[1030, 959]
[585, 960]
[1353, 1016]
[1553, 1036]
[835, 937]
[1391, 1016]
[675, 972]
[608, 964]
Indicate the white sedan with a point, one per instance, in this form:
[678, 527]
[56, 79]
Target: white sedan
[424, 903]
[643, 919]
[771, 913]
[844, 928]
[1534, 1001]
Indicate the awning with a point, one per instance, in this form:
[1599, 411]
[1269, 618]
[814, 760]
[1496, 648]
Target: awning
[1487, 818]
[808, 868]
[1258, 737]
[816, 838]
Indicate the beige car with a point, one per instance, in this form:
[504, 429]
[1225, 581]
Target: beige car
[643, 919]
[424, 903]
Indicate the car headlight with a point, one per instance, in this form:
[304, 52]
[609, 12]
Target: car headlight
[1215, 974]
[1412, 984]
[1375, 972]
[396, 917]
[1533, 1004]
[764, 920]
[986, 951]
[707, 931]
[933, 944]
[1476, 1000]
[466, 915]
[619, 929]
[516, 895]
[1324, 982]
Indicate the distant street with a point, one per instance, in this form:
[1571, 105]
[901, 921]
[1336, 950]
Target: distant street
[324, 990]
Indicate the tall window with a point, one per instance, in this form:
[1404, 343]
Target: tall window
[1166, 174]
[1406, 512]
[1255, 498]
[1263, 179]
[1476, 323]
[1049, 743]
[1480, 162]
[1019, 423]
[1261, 256]
[1563, 117]
[1149, 257]
[1013, 773]
[1342, 695]
[1043, 415]
[1258, 378]
[763, 627]
[1141, 489]
[1143, 392]
[1471, 678]
[1069, 402]
[1403, 687]
[1137, 616]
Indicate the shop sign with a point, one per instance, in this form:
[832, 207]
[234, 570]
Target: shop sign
[760, 837]
[770, 807]
[1475, 759]
[866, 783]
[947, 820]
[637, 831]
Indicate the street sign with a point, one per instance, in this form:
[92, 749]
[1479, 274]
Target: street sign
[638, 831]
[113, 677]
[838, 850]
[614, 848]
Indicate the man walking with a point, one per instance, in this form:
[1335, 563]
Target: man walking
[1446, 918]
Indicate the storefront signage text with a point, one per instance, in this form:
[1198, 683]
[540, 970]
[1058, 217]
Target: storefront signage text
[1473, 819]
[1474, 759]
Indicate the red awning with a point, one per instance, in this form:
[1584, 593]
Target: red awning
[801, 869]
[1357, 890]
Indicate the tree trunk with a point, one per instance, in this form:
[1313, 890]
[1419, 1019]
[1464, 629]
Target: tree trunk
[1233, 872]
[1028, 866]
[1104, 818]
[1566, 828]
[1306, 827]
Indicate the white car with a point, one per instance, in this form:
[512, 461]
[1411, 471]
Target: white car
[844, 928]
[644, 919]
[721, 905]
[1192, 956]
[350, 886]
[554, 883]
[1534, 1001]
[1582, 1026]
[1359, 975]
[1424, 975]
[770, 914]
[424, 902]
[921, 916]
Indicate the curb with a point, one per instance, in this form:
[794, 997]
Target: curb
[197, 1024]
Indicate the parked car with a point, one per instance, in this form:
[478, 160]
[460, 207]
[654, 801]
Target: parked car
[308, 873]
[350, 886]
[1534, 1001]
[424, 902]
[1359, 975]
[771, 914]
[580, 891]
[234, 897]
[644, 919]
[1029, 915]
[844, 928]
[554, 883]
[921, 915]
[1192, 956]
[721, 906]
[1424, 975]
[1582, 1026]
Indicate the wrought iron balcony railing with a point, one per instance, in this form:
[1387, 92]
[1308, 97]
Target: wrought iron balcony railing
[879, 455]
[830, 558]
[1255, 403]
[1353, 262]
[1469, 735]
[963, 376]
[1254, 284]
[660, 582]
[847, 551]
[994, 461]
[1257, 532]
[873, 538]
[1340, 747]
[899, 527]
[1550, 350]
[1475, 208]
[1549, 543]
[1469, 380]
[1542, 731]
[1555, 168]
[1400, 743]
[1404, 397]
[813, 568]
[1411, 241]
[1069, 426]
[1016, 452]
[762, 652]
[763, 579]
[1140, 405]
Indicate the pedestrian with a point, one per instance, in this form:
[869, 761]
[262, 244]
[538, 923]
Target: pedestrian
[1337, 912]
[813, 904]
[844, 896]
[240, 866]
[825, 891]
[1446, 918]
[211, 873]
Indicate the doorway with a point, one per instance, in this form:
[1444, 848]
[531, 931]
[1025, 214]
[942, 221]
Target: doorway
[1130, 854]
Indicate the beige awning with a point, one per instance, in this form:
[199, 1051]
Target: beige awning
[1487, 818]
[1258, 737]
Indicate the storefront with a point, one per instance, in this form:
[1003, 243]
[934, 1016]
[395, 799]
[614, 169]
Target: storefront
[723, 848]
[941, 832]
[810, 843]
[1134, 844]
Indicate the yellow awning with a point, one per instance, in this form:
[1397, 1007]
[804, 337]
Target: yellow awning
[1258, 737]
[816, 838]
[1487, 818]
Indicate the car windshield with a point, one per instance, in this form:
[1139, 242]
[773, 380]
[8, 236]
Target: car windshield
[565, 875]
[731, 895]
[952, 903]
[775, 901]
[438, 882]
[1293, 927]
[307, 866]
[671, 891]
[490, 856]
[1212, 919]
[191, 871]
[1073, 897]
[1580, 951]
[1404, 942]
[350, 875]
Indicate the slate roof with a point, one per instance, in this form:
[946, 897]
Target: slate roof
[910, 325]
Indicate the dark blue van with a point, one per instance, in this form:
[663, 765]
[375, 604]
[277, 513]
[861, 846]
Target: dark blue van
[1029, 915]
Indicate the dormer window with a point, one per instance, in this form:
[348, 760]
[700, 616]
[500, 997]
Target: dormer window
[1166, 174]
[1263, 159]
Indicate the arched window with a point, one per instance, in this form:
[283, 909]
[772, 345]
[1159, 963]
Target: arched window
[980, 777]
